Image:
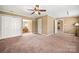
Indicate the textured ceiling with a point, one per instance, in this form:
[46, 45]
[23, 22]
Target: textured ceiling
[52, 10]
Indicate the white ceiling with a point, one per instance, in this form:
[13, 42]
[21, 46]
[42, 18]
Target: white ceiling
[52, 10]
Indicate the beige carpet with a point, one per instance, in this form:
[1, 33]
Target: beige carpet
[35, 43]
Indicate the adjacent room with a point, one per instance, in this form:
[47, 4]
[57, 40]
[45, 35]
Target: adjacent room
[39, 28]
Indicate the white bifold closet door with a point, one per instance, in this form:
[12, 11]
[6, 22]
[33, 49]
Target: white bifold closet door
[11, 26]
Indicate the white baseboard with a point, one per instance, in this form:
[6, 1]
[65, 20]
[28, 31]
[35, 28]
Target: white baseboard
[9, 36]
[47, 34]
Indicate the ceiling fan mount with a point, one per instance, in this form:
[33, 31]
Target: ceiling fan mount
[37, 10]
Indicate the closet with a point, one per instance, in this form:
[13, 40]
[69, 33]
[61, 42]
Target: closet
[10, 26]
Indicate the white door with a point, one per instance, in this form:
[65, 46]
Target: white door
[11, 26]
[56, 30]
[40, 26]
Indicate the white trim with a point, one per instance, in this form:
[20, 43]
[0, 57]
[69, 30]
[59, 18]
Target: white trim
[56, 26]
[9, 36]
[47, 34]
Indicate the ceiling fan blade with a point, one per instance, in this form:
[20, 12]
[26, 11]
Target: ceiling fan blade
[32, 13]
[39, 13]
[42, 10]
[36, 10]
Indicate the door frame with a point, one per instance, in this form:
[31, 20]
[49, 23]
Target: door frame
[56, 21]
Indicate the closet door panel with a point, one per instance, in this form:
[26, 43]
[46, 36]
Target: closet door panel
[11, 26]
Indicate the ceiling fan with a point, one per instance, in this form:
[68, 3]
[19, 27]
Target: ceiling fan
[36, 10]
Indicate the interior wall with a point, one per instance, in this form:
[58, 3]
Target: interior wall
[47, 24]
[39, 23]
[34, 26]
[51, 25]
[0, 26]
[30, 25]
[11, 26]
[69, 24]
[44, 25]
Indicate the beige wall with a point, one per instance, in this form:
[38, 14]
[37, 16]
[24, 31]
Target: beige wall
[47, 24]
[69, 24]
[50, 25]
[34, 26]
[44, 25]
[30, 25]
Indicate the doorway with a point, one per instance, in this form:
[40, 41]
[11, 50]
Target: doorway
[27, 26]
[59, 25]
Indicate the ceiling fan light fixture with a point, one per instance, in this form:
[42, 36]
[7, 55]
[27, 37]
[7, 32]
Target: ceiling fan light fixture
[36, 12]
[37, 6]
